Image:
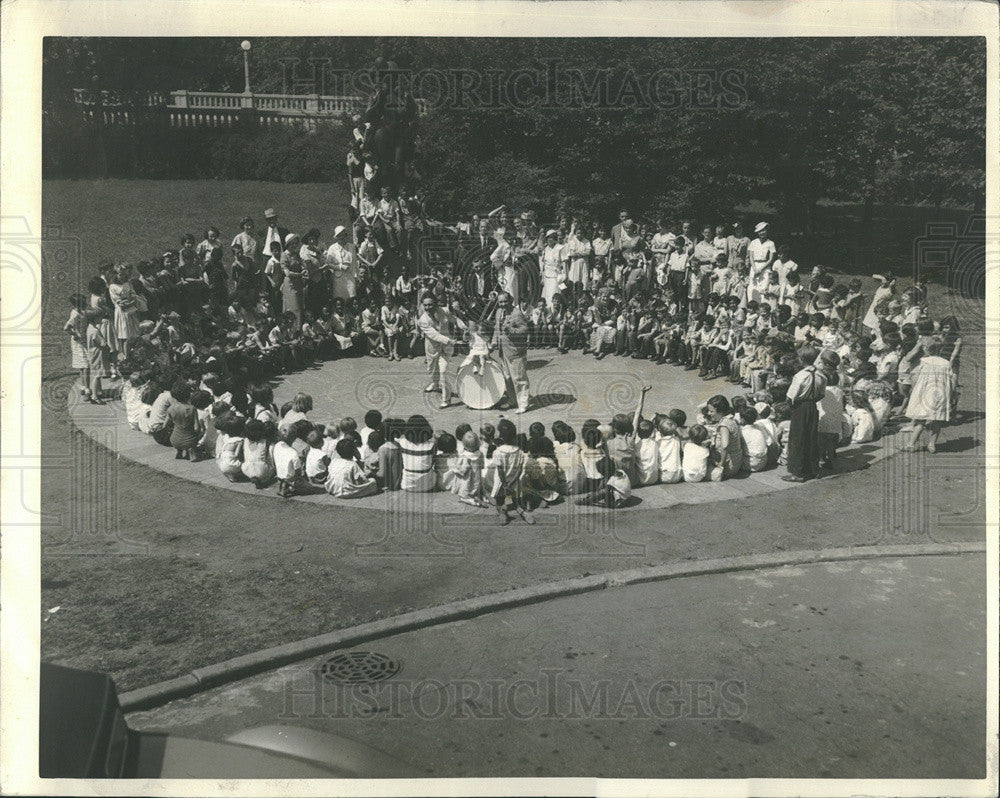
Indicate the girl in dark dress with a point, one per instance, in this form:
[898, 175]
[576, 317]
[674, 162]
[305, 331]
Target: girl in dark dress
[186, 433]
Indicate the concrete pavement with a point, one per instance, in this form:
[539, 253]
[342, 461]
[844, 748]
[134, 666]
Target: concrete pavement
[842, 670]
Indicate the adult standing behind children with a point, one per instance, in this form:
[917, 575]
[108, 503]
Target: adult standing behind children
[275, 232]
[510, 341]
[760, 254]
[341, 263]
[807, 388]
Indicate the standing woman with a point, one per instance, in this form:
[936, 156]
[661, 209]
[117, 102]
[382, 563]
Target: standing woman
[579, 253]
[602, 251]
[76, 326]
[292, 287]
[98, 290]
[807, 388]
[343, 268]
[316, 294]
[628, 243]
[126, 309]
[244, 249]
[551, 267]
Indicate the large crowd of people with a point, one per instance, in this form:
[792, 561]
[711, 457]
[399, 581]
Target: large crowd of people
[197, 333]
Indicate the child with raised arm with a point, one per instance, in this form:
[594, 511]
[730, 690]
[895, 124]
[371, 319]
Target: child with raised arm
[622, 446]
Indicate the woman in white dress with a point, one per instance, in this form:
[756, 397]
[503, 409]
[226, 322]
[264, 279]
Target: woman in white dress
[550, 265]
[126, 304]
[579, 252]
[342, 264]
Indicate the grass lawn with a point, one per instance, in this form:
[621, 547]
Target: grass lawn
[155, 575]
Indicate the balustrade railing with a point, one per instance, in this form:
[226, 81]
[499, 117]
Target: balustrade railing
[193, 107]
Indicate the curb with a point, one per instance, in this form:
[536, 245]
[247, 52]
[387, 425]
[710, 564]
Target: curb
[266, 659]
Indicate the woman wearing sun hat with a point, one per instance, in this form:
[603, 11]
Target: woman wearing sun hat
[342, 265]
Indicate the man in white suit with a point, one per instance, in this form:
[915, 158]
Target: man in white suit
[438, 326]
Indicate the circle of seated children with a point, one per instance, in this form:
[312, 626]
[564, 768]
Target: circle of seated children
[196, 354]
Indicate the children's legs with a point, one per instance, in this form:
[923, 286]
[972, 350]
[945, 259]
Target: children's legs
[933, 430]
[904, 392]
[95, 387]
[916, 430]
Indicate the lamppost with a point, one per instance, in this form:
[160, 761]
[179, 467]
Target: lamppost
[245, 44]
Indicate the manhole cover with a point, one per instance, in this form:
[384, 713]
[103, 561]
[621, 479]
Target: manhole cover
[359, 667]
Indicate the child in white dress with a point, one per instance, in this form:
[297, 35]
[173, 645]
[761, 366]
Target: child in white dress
[468, 472]
[478, 349]
[345, 478]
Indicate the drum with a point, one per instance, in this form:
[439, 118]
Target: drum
[481, 391]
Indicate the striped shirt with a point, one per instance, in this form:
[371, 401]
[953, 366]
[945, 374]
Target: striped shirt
[418, 463]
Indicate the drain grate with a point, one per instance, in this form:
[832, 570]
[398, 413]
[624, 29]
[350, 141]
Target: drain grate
[359, 667]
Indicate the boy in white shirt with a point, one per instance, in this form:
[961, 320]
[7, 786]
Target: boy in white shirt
[754, 438]
[316, 460]
[670, 445]
[648, 452]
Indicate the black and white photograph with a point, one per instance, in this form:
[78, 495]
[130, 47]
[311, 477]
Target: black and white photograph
[490, 398]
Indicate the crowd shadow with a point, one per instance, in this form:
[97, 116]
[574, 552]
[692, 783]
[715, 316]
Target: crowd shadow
[547, 399]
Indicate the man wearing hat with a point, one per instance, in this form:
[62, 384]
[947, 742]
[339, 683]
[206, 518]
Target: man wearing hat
[274, 231]
[760, 254]
[551, 266]
[342, 265]
[531, 237]
[510, 341]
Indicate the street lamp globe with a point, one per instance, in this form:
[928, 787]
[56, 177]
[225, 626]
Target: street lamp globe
[245, 44]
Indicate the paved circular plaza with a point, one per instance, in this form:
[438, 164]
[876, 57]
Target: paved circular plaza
[570, 387]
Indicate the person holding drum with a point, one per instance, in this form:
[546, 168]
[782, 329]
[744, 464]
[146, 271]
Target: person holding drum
[510, 341]
[437, 324]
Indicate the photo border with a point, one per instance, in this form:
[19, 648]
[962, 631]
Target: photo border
[26, 22]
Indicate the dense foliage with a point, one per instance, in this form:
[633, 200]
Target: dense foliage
[786, 122]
